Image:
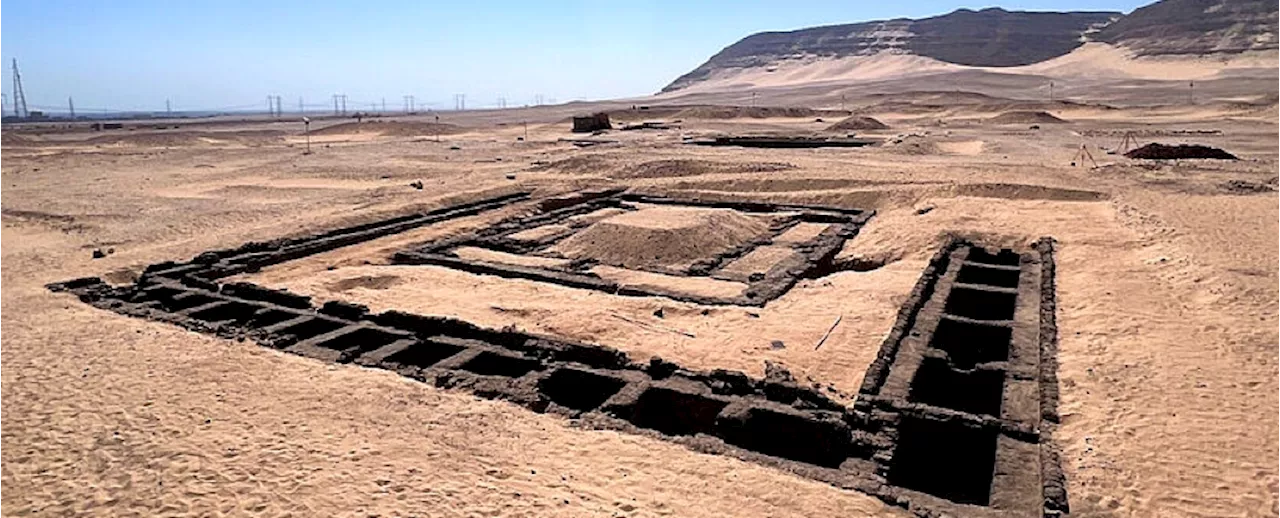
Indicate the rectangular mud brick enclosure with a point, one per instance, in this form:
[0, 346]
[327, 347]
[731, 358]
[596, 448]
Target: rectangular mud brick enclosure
[574, 233]
[955, 417]
[963, 395]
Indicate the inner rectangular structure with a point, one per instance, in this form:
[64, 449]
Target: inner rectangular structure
[955, 416]
[642, 245]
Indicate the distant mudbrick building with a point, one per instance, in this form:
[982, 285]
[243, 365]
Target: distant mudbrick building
[589, 123]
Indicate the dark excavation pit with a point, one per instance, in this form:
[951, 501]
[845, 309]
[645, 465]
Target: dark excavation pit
[975, 392]
[974, 273]
[493, 364]
[675, 413]
[945, 459]
[981, 304]
[970, 343]
[579, 390]
[424, 354]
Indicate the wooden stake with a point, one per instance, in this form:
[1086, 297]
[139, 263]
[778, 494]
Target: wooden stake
[651, 326]
[829, 330]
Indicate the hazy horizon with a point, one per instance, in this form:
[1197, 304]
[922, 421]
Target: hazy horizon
[229, 56]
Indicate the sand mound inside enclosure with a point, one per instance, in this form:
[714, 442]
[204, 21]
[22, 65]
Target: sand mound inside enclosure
[390, 128]
[686, 167]
[588, 164]
[754, 112]
[858, 122]
[663, 237]
[1025, 117]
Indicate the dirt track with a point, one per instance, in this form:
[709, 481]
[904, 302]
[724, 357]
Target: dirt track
[1166, 282]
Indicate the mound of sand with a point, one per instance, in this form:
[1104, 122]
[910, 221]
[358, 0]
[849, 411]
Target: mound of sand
[753, 112]
[857, 122]
[9, 138]
[390, 128]
[663, 238]
[587, 164]
[1156, 151]
[1025, 117]
[687, 167]
[186, 138]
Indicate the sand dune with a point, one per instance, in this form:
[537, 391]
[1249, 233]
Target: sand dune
[1090, 61]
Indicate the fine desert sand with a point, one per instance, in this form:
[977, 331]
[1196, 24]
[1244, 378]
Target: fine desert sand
[1167, 284]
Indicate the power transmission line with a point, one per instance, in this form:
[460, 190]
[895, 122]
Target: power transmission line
[19, 98]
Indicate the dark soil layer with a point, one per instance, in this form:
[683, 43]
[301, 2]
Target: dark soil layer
[1156, 151]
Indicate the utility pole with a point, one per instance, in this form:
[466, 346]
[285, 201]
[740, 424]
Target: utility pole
[71, 107]
[19, 97]
[384, 105]
[279, 106]
[842, 102]
[302, 108]
[502, 103]
[537, 100]
[343, 97]
[4, 104]
[168, 108]
[1191, 92]
[459, 102]
[1050, 91]
[335, 104]
[408, 104]
[339, 104]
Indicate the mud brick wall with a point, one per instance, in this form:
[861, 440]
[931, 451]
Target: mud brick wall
[955, 416]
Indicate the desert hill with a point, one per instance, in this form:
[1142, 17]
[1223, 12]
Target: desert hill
[990, 37]
[1174, 27]
[1233, 33]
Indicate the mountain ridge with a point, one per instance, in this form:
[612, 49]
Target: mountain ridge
[994, 37]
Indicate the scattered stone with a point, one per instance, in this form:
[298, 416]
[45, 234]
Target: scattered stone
[658, 313]
[777, 344]
[98, 253]
[660, 368]
[1245, 187]
[417, 184]
[454, 148]
[511, 176]
[924, 210]
[777, 373]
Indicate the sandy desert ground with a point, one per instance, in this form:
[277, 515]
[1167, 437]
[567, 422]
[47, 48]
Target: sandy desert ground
[1167, 278]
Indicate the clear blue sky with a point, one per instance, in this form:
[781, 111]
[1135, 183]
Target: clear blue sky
[135, 54]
